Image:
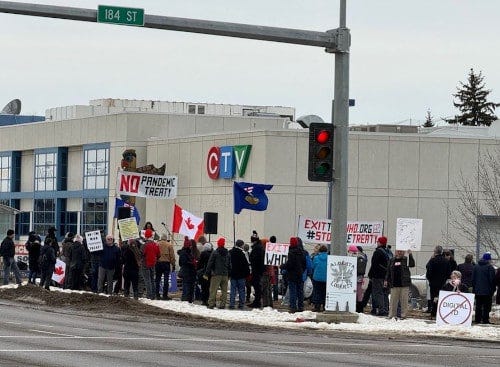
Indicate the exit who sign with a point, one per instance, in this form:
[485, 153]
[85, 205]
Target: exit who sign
[120, 15]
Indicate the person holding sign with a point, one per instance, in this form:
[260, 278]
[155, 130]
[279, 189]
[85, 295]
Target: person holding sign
[295, 266]
[454, 284]
[398, 279]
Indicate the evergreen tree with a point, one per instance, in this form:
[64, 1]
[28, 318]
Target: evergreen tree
[428, 120]
[471, 102]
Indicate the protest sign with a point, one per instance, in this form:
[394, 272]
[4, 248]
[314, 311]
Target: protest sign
[276, 253]
[341, 278]
[94, 241]
[128, 229]
[455, 308]
[359, 233]
[408, 234]
[146, 186]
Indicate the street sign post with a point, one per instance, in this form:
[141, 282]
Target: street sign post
[120, 15]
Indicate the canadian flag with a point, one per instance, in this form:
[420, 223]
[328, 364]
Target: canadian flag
[186, 223]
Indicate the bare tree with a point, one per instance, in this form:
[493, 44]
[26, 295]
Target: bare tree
[478, 205]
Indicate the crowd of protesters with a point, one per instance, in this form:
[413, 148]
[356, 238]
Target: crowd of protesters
[144, 266]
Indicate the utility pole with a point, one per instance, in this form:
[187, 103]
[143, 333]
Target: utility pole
[340, 120]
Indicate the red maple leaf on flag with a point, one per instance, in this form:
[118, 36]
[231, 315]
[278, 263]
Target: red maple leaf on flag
[59, 270]
[188, 223]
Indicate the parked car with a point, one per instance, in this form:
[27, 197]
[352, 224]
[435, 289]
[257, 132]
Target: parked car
[418, 291]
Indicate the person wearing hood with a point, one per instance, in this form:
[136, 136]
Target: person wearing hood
[218, 267]
[187, 272]
[202, 266]
[47, 263]
[483, 284]
[257, 264]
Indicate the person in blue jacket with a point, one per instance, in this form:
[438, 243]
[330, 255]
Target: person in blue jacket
[319, 264]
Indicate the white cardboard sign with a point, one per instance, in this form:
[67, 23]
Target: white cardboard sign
[94, 240]
[455, 308]
[341, 278]
[408, 234]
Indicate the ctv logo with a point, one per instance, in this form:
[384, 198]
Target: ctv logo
[225, 161]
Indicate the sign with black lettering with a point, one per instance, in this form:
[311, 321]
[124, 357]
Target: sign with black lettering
[276, 253]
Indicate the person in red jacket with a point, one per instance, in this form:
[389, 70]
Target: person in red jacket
[151, 253]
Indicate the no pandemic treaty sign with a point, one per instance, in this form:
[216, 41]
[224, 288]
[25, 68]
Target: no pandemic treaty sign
[146, 186]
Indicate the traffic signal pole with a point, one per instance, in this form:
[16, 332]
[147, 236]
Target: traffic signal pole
[335, 41]
[340, 120]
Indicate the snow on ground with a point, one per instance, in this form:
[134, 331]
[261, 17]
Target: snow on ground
[306, 320]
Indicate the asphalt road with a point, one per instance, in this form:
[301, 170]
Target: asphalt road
[30, 337]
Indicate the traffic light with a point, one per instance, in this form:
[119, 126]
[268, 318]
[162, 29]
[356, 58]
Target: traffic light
[320, 164]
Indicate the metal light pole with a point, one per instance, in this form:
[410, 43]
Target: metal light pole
[340, 120]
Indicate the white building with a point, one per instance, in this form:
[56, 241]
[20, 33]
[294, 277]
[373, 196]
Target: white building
[62, 172]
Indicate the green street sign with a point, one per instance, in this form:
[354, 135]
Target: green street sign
[120, 15]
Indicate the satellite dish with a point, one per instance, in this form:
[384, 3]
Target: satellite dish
[12, 108]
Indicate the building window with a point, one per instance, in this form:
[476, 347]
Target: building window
[5, 169]
[201, 110]
[45, 171]
[44, 215]
[94, 214]
[23, 223]
[192, 109]
[96, 169]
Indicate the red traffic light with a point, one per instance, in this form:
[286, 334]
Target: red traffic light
[323, 136]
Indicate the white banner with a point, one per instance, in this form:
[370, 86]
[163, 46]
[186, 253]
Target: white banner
[408, 234]
[146, 186]
[276, 253]
[94, 240]
[359, 233]
[341, 284]
[455, 308]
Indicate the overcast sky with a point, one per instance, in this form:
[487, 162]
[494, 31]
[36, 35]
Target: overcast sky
[406, 57]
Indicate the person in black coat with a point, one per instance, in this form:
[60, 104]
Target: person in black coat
[455, 284]
[77, 257]
[131, 258]
[466, 270]
[47, 263]
[294, 267]
[378, 269]
[8, 252]
[438, 271]
[257, 262]
[202, 265]
[187, 272]
[33, 246]
[483, 283]
[240, 270]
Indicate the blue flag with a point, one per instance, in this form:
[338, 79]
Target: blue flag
[134, 212]
[250, 196]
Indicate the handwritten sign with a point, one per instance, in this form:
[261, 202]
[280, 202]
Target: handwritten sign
[408, 234]
[128, 229]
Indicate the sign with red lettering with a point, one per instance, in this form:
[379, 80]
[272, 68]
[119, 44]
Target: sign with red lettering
[359, 233]
[276, 253]
[146, 186]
